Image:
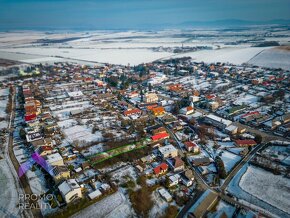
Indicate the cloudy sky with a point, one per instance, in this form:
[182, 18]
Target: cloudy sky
[117, 14]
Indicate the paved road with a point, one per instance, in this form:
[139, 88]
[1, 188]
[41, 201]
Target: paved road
[241, 164]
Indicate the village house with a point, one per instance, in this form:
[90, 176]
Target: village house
[158, 130]
[165, 194]
[54, 159]
[187, 178]
[245, 142]
[186, 110]
[160, 169]
[173, 180]
[44, 150]
[150, 98]
[217, 121]
[131, 112]
[60, 173]
[168, 151]
[160, 136]
[70, 190]
[158, 111]
[192, 147]
[175, 164]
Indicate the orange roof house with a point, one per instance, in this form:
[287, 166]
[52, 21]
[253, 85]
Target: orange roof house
[157, 111]
[132, 112]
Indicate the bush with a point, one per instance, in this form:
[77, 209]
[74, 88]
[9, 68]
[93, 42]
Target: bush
[171, 212]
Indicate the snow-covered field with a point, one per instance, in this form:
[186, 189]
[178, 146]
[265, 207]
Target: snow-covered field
[136, 47]
[274, 189]
[9, 196]
[250, 199]
[247, 100]
[274, 58]
[237, 55]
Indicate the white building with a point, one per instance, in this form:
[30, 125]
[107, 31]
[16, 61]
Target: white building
[70, 190]
[165, 194]
[150, 98]
[54, 159]
[168, 151]
[186, 110]
[95, 194]
[217, 121]
[159, 78]
[194, 98]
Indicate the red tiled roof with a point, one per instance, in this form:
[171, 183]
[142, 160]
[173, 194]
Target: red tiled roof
[189, 108]
[210, 96]
[189, 144]
[30, 117]
[250, 113]
[160, 136]
[162, 167]
[246, 142]
[46, 148]
[131, 112]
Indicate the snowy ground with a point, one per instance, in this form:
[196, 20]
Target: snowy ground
[9, 196]
[135, 47]
[113, 206]
[227, 55]
[274, 189]
[124, 174]
[81, 133]
[159, 207]
[230, 160]
[253, 201]
[274, 58]
[247, 100]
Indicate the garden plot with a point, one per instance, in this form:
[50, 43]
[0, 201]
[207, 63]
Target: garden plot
[273, 189]
[3, 104]
[246, 99]
[113, 206]
[82, 133]
[123, 174]
[36, 182]
[93, 150]
[159, 207]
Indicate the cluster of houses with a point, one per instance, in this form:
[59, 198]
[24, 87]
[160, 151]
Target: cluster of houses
[73, 115]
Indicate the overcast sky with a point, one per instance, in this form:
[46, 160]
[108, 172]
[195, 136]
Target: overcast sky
[114, 14]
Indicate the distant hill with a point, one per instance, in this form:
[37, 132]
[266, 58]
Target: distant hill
[233, 23]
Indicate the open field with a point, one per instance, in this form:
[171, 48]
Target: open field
[136, 47]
